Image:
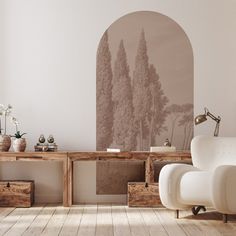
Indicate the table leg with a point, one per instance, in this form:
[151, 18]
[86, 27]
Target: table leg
[70, 182]
[149, 170]
[65, 183]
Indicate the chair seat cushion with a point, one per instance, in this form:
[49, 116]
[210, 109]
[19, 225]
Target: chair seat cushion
[195, 188]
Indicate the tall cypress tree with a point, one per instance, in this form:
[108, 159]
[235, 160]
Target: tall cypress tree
[122, 100]
[158, 112]
[141, 91]
[187, 122]
[104, 95]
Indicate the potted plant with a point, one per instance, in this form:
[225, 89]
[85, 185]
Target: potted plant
[19, 143]
[5, 140]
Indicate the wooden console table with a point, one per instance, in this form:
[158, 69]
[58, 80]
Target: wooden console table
[68, 159]
[41, 156]
[148, 157]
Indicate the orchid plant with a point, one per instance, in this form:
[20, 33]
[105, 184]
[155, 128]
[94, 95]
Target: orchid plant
[4, 111]
[16, 123]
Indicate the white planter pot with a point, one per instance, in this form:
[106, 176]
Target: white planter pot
[5, 143]
[19, 144]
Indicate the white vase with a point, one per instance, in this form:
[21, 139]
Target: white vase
[5, 143]
[19, 144]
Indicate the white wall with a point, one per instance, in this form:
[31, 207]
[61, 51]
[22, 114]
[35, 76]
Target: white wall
[1, 52]
[49, 74]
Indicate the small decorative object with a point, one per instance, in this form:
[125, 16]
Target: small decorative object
[52, 147]
[167, 143]
[41, 146]
[5, 143]
[163, 149]
[5, 140]
[19, 143]
[113, 150]
[45, 147]
[41, 139]
[50, 139]
[203, 117]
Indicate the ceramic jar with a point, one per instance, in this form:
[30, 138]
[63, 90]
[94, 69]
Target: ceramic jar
[5, 143]
[19, 144]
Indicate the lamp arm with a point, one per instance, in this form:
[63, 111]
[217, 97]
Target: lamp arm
[216, 119]
[216, 132]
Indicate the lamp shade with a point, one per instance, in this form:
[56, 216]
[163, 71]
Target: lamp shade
[200, 118]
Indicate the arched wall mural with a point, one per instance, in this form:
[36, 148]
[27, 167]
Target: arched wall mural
[144, 84]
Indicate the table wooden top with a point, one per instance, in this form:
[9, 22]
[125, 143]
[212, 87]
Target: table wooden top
[95, 155]
[11, 156]
[133, 155]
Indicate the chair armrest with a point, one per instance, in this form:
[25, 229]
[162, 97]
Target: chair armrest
[224, 189]
[169, 182]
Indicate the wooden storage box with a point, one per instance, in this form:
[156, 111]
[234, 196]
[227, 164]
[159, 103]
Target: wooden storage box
[16, 193]
[140, 195]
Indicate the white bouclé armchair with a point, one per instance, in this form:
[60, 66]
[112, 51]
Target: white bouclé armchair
[211, 181]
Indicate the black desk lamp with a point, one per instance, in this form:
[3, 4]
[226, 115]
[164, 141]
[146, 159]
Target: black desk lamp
[203, 117]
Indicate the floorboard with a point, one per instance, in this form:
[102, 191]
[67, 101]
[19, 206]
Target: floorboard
[120, 221]
[152, 222]
[88, 221]
[40, 222]
[72, 221]
[104, 221]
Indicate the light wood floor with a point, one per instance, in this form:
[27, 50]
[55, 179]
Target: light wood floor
[115, 220]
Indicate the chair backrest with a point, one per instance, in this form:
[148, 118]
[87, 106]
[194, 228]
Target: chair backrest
[210, 152]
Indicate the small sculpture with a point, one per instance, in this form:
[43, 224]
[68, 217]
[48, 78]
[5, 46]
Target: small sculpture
[41, 139]
[167, 143]
[52, 146]
[50, 139]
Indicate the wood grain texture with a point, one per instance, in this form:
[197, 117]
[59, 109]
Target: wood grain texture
[107, 220]
[120, 221]
[152, 222]
[149, 170]
[41, 156]
[83, 156]
[10, 220]
[32, 155]
[89, 221]
[16, 193]
[54, 225]
[72, 221]
[136, 222]
[104, 220]
[140, 195]
[40, 221]
[70, 169]
[27, 217]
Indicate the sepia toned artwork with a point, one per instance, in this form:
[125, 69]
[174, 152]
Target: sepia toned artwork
[144, 90]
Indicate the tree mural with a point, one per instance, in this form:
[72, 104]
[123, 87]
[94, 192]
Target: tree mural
[187, 122]
[174, 112]
[122, 102]
[141, 109]
[141, 92]
[158, 112]
[104, 95]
